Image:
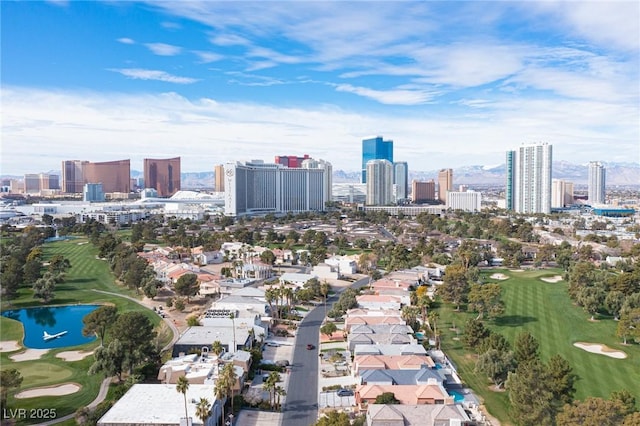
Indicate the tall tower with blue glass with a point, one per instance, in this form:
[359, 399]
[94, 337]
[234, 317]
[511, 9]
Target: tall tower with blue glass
[375, 149]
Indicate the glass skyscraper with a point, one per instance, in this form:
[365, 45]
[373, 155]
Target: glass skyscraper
[375, 149]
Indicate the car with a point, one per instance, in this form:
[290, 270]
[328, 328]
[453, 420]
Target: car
[282, 363]
[310, 346]
[273, 344]
[344, 392]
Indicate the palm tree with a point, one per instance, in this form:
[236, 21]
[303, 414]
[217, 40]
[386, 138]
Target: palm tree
[217, 348]
[325, 288]
[182, 386]
[279, 391]
[433, 319]
[202, 410]
[232, 317]
[230, 378]
[269, 385]
[424, 303]
[220, 392]
[270, 297]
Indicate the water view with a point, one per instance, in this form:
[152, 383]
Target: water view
[52, 326]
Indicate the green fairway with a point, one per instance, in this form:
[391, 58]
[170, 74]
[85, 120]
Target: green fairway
[87, 273]
[545, 310]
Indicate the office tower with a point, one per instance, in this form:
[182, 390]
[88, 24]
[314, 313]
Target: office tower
[445, 183]
[48, 181]
[256, 187]
[375, 149]
[92, 192]
[401, 179]
[469, 201]
[379, 183]
[291, 161]
[73, 176]
[423, 192]
[163, 175]
[561, 193]
[115, 176]
[219, 178]
[31, 184]
[597, 178]
[529, 179]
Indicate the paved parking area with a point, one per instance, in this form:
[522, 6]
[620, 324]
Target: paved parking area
[258, 418]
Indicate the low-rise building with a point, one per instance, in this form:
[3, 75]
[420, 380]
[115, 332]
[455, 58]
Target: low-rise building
[431, 393]
[391, 362]
[416, 415]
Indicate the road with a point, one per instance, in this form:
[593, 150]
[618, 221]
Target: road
[301, 406]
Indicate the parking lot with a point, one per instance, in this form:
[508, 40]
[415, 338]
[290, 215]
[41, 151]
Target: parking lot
[332, 400]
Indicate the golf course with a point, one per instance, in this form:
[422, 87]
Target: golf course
[535, 303]
[49, 368]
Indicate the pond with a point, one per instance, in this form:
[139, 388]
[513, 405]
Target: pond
[62, 323]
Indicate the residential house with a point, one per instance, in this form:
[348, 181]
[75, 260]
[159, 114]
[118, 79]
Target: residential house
[408, 349]
[379, 302]
[391, 362]
[325, 271]
[431, 393]
[417, 415]
[351, 321]
[354, 339]
[296, 279]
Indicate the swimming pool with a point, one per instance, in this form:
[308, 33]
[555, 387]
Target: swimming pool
[457, 396]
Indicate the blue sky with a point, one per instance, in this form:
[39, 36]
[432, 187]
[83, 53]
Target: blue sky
[452, 83]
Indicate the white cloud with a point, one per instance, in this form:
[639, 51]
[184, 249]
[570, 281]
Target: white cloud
[144, 74]
[207, 131]
[126, 40]
[163, 49]
[389, 97]
[207, 57]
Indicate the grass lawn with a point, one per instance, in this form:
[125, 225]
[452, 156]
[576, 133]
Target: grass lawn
[545, 310]
[86, 273]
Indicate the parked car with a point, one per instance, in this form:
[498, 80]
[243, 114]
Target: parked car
[344, 392]
[310, 346]
[282, 363]
[273, 344]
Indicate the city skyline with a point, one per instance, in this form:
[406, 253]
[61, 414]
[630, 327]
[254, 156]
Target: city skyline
[451, 83]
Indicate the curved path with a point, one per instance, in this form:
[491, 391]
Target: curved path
[104, 386]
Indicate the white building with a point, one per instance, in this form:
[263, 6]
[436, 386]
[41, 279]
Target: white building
[257, 188]
[401, 180]
[597, 178]
[379, 183]
[561, 193]
[529, 179]
[468, 201]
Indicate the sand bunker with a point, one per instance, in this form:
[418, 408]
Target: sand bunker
[29, 355]
[597, 348]
[499, 277]
[554, 279]
[516, 270]
[9, 346]
[73, 355]
[58, 390]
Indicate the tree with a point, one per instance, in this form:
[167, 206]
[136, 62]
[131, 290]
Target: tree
[9, 379]
[486, 300]
[410, 315]
[135, 332]
[217, 348]
[220, 391]
[187, 285]
[625, 398]
[531, 400]
[561, 380]
[334, 418]
[494, 341]
[44, 287]
[325, 288]
[270, 384]
[474, 333]
[592, 412]
[386, 398]
[182, 386]
[455, 286]
[202, 410]
[268, 257]
[526, 348]
[109, 360]
[629, 325]
[98, 322]
[592, 299]
[496, 365]
[279, 391]
[229, 378]
[424, 302]
[328, 329]
[59, 264]
[613, 302]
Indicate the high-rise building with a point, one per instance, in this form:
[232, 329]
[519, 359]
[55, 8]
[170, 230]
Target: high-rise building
[260, 188]
[401, 180]
[31, 184]
[73, 176]
[48, 181]
[379, 183]
[423, 192]
[445, 183]
[469, 201]
[163, 175]
[561, 193]
[597, 183]
[529, 179]
[291, 161]
[375, 149]
[219, 177]
[115, 176]
[327, 185]
[93, 192]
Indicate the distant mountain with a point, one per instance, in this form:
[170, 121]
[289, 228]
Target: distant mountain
[617, 174]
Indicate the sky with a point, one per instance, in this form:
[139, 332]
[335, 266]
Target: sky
[452, 83]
